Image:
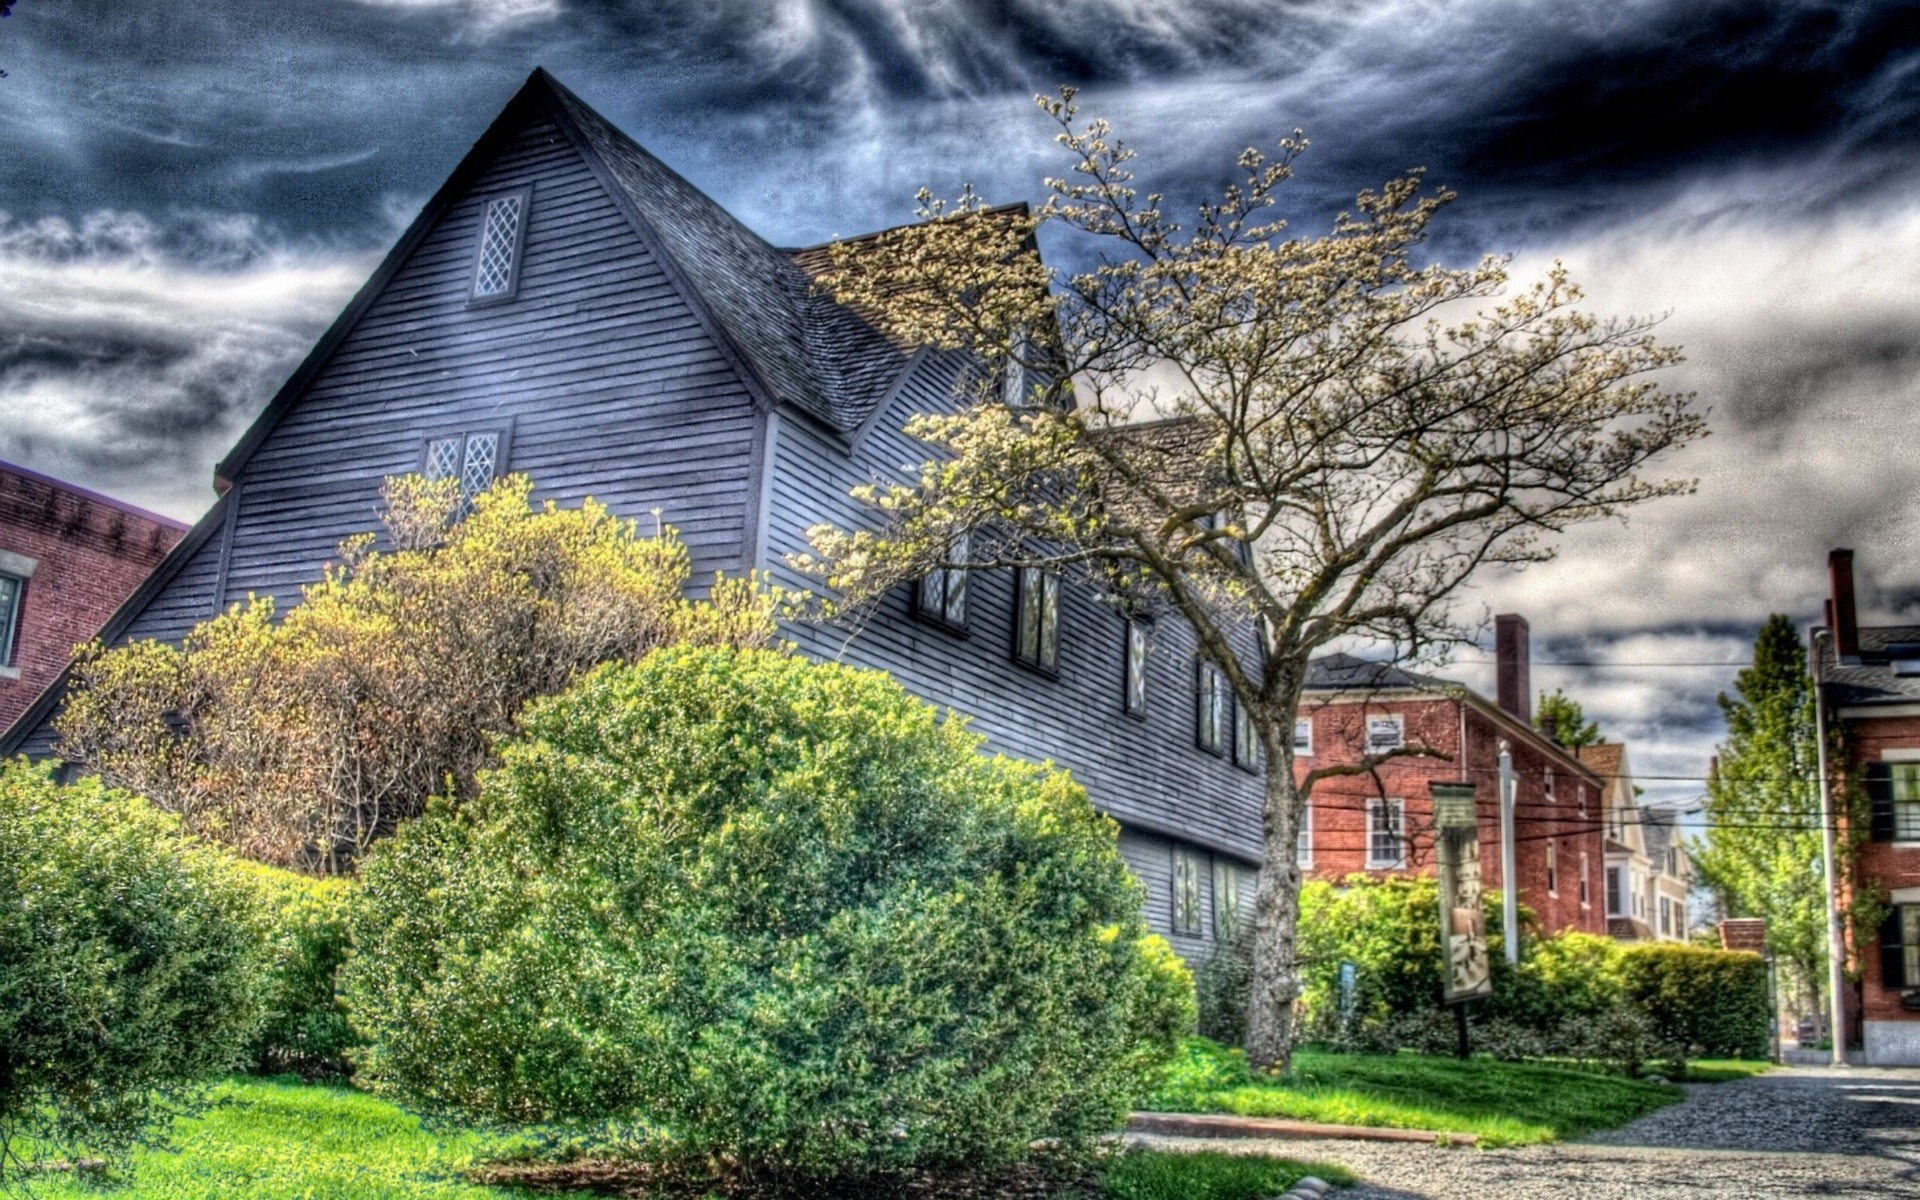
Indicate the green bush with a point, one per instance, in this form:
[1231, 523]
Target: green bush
[305, 927]
[129, 966]
[1223, 987]
[744, 909]
[1714, 1002]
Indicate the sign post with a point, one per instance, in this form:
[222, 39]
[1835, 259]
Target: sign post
[1468, 972]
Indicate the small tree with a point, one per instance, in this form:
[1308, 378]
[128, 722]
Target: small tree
[1761, 852]
[300, 739]
[1252, 430]
[1562, 714]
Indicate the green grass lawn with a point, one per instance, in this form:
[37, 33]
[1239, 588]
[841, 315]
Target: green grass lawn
[1723, 1070]
[1208, 1175]
[1504, 1104]
[273, 1139]
[281, 1140]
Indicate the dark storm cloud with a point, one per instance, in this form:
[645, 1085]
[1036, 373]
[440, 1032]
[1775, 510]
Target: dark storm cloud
[314, 114]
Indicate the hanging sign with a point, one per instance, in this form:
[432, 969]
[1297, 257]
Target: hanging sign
[1463, 920]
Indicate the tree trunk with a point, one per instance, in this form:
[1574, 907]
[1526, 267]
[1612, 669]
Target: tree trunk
[1276, 914]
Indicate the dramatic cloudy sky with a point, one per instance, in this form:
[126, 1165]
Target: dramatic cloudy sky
[191, 190]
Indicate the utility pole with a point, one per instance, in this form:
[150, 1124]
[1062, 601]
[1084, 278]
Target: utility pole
[1509, 884]
[1836, 945]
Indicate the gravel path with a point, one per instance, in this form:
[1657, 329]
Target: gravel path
[1798, 1131]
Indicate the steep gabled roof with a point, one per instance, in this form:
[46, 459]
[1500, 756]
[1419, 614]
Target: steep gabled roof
[794, 345]
[804, 348]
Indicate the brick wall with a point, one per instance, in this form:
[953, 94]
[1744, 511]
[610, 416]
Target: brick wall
[1340, 804]
[89, 554]
[1879, 862]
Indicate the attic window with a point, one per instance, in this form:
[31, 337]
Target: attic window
[496, 266]
[472, 458]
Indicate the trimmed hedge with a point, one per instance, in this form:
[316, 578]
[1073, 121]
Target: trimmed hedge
[305, 928]
[1714, 1001]
[743, 909]
[129, 966]
[1574, 995]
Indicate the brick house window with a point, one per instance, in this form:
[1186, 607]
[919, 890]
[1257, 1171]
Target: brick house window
[1388, 732]
[503, 235]
[1134, 687]
[1303, 736]
[1586, 897]
[12, 590]
[1553, 873]
[1906, 801]
[1303, 846]
[1386, 834]
[1900, 947]
[1226, 901]
[942, 594]
[1186, 892]
[1036, 639]
[1210, 708]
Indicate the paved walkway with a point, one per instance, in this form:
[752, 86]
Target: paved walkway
[1799, 1131]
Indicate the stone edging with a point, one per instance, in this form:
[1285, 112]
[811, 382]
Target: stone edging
[1219, 1125]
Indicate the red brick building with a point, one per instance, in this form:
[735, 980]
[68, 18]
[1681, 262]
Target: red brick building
[1870, 683]
[68, 558]
[1381, 824]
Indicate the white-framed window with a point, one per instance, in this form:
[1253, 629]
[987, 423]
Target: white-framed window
[1388, 731]
[1302, 736]
[1616, 892]
[1226, 900]
[1586, 894]
[1186, 891]
[1580, 798]
[1548, 786]
[1553, 872]
[1386, 834]
[942, 594]
[1905, 791]
[474, 458]
[503, 236]
[1246, 740]
[1303, 845]
[1210, 707]
[13, 590]
[1639, 894]
[1036, 621]
[1134, 687]
[1666, 917]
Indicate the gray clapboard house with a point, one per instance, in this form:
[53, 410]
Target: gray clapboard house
[568, 307]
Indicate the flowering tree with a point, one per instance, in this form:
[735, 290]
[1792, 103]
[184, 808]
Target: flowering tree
[299, 739]
[1312, 438]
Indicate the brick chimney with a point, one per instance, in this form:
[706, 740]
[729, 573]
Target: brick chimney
[1841, 616]
[1512, 659]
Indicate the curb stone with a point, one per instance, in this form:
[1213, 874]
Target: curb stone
[1218, 1125]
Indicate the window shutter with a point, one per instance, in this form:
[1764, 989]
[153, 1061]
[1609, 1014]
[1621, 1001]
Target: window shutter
[1893, 958]
[1880, 798]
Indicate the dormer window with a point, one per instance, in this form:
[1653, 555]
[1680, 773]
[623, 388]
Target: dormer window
[503, 234]
[942, 594]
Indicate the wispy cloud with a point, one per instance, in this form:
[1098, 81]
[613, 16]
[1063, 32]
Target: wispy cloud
[479, 18]
[133, 351]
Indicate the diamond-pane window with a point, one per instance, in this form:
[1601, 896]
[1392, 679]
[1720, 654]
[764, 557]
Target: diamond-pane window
[496, 268]
[483, 450]
[443, 457]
